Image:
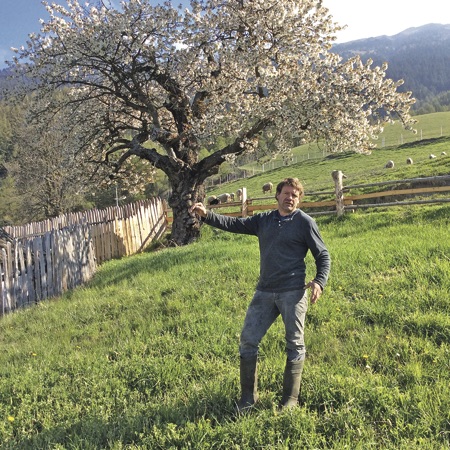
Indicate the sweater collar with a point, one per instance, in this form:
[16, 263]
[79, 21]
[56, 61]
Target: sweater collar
[290, 216]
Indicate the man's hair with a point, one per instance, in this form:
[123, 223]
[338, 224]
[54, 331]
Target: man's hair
[293, 182]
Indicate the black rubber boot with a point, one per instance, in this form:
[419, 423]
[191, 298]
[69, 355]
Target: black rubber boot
[249, 383]
[291, 383]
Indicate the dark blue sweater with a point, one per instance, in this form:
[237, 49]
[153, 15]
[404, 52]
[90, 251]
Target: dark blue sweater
[283, 245]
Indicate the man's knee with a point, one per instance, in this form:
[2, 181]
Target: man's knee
[296, 354]
[248, 349]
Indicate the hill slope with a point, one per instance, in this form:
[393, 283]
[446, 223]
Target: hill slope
[146, 355]
[420, 56]
[315, 174]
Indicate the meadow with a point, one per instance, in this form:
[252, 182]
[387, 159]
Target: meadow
[428, 127]
[145, 356]
[315, 174]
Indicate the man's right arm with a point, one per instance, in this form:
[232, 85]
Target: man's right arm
[226, 223]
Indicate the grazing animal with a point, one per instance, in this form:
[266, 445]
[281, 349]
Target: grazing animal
[432, 156]
[389, 164]
[232, 196]
[409, 161]
[444, 154]
[267, 187]
[212, 200]
[224, 198]
[239, 194]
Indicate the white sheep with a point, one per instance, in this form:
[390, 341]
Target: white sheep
[409, 161]
[224, 198]
[444, 154]
[267, 187]
[239, 194]
[389, 164]
[432, 156]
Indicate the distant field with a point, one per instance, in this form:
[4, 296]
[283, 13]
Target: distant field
[428, 126]
[315, 174]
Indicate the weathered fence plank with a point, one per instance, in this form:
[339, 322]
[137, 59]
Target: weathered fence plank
[2, 290]
[9, 281]
[30, 276]
[7, 293]
[23, 282]
[413, 191]
[52, 256]
[37, 245]
[48, 263]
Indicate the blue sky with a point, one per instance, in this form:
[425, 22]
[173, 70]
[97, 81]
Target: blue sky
[18, 18]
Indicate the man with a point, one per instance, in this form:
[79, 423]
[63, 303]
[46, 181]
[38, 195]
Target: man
[285, 235]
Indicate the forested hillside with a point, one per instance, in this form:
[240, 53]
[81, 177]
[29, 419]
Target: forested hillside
[420, 56]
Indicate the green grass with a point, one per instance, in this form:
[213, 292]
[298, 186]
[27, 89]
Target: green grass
[146, 355]
[427, 126]
[315, 174]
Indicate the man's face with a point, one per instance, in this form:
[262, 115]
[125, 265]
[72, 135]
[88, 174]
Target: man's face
[288, 200]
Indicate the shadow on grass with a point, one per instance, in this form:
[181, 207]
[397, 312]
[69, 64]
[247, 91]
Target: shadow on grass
[170, 259]
[117, 271]
[375, 219]
[367, 221]
[424, 142]
[340, 156]
[156, 427]
[433, 327]
[438, 214]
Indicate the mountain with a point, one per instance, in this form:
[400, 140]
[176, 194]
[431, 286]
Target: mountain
[420, 56]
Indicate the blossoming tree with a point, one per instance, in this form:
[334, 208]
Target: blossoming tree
[159, 83]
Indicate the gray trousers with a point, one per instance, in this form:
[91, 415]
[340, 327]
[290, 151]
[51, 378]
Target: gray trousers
[262, 312]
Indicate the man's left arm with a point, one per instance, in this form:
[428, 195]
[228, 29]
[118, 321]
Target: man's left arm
[323, 262]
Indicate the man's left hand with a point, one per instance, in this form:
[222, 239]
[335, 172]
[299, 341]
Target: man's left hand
[316, 291]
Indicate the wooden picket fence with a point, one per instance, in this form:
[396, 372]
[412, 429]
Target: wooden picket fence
[49, 257]
[45, 266]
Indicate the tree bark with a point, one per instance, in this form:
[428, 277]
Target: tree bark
[186, 191]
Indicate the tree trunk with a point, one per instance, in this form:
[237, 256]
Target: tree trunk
[186, 191]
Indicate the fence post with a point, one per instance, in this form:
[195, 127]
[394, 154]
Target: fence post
[339, 191]
[244, 202]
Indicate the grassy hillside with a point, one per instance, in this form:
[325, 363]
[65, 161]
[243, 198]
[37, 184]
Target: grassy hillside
[316, 173]
[429, 127]
[146, 355]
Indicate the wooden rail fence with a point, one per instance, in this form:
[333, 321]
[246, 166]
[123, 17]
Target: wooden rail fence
[52, 256]
[339, 200]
